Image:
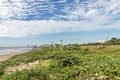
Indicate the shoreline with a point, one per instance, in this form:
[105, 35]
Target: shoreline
[4, 57]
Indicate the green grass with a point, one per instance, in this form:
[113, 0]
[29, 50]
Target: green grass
[77, 63]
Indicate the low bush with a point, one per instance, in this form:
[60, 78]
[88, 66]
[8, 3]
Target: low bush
[31, 74]
[69, 62]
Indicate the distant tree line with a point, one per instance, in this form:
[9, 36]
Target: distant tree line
[112, 41]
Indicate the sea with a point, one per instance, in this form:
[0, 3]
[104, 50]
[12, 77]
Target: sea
[12, 50]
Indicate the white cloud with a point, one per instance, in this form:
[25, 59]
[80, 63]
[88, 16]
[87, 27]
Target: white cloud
[80, 16]
[21, 8]
[61, 1]
[104, 10]
[27, 28]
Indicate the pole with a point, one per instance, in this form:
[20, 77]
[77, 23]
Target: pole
[61, 44]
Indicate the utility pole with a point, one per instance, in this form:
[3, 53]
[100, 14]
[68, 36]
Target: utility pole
[51, 44]
[61, 44]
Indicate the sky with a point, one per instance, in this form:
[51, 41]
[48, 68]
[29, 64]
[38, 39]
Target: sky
[35, 22]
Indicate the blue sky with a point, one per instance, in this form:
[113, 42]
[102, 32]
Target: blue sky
[34, 22]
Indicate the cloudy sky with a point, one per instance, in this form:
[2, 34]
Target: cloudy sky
[28, 22]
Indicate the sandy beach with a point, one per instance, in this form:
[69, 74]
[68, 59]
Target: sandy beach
[6, 56]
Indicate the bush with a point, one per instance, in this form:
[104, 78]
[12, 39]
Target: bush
[32, 74]
[2, 66]
[59, 56]
[69, 62]
[1, 71]
[86, 51]
[72, 48]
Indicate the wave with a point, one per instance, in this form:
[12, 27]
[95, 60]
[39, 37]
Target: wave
[7, 50]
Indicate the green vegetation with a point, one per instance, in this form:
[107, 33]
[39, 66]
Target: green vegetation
[72, 63]
[113, 41]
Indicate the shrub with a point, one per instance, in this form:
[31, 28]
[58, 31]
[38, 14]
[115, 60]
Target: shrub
[1, 71]
[31, 74]
[72, 48]
[69, 61]
[86, 51]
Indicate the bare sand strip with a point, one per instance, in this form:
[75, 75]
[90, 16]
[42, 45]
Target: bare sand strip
[6, 56]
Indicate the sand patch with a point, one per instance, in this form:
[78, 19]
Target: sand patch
[20, 67]
[6, 56]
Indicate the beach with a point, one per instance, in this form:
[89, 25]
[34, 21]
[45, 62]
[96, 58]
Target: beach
[6, 56]
[6, 53]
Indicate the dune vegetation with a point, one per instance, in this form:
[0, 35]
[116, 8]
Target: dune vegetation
[71, 63]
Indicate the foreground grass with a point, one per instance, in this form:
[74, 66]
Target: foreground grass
[73, 63]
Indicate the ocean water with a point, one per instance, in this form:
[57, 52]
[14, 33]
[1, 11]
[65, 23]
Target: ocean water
[10, 50]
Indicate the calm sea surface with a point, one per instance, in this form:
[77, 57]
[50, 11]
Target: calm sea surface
[9, 50]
